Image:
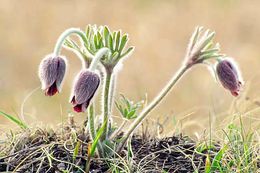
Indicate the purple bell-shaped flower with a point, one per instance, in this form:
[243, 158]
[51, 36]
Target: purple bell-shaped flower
[51, 73]
[85, 86]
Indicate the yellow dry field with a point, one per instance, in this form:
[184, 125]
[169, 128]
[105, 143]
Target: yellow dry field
[159, 29]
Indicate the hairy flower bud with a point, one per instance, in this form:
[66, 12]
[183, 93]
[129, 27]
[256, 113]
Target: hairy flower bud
[51, 73]
[229, 76]
[85, 86]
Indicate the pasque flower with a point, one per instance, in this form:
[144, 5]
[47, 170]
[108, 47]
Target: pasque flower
[229, 76]
[51, 72]
[85, 86]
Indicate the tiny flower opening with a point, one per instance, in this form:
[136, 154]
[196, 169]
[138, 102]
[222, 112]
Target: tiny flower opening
[52, 90]
[85, 86]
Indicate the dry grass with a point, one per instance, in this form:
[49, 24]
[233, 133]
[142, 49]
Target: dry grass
[158, 29]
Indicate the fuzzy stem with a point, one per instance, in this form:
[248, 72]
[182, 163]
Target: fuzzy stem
[97, 57]
[92, 130]
[112, 92]
[91, 121]
[64, 35]
[106, 103]
[92, 67]
[152, 105]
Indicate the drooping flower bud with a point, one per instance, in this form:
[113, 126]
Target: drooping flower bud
[51, 73]
[85, 86]
[229, 76]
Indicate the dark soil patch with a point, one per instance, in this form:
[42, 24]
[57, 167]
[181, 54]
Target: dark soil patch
[46, 151]
[172, 154]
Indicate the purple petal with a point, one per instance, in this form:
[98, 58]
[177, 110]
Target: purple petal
[52, 69]
[228, 75]
[51, 90]
[86, 86]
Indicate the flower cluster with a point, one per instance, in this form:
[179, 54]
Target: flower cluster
[52, 71]
[103, 48]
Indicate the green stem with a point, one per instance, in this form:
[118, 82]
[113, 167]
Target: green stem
[92, 130]
[112, 92]
[152, 105]
[91, 122]
[64, 35]
[97, 57]
[87, 166]
[106, 103]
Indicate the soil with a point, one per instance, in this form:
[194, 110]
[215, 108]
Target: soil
[46, 151]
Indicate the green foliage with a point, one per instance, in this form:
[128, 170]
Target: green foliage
[128, 109]
[216, 163]
[76, 151]
[100, 37]
[15, 120]
[201, 46]
[242, 151]
[237, 154]
[95, 141]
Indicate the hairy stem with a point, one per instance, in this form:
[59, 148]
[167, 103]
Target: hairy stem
[64, 35]
[91, 122]
[97, 57]
[92, 130]
[112, 92]
[106, 103]
[153, 104]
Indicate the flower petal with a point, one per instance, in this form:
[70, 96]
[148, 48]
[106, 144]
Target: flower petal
[51, 90]
[228, 75]
[86, 86]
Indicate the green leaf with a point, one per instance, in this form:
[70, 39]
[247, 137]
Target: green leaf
[110, 42]
[210, 51]
[93, 44]
[15, 120]
[216, 163]
[125, 112]
[118, 37]
[132, 114]
[115, 55]
[126, 53]
[88, 30]
[95, 142]
[207, 164]
[106, 34]
[123, 42]
[96, 42]
[208, 39]
[209, 56]
[196, 35]
[114, 35]
[76, 151]
[119, 107]
[130, 153]
[100, 40]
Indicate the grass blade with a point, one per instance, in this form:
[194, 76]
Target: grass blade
[76, 151]
[95, 142]
[14, 120]
[217, 160]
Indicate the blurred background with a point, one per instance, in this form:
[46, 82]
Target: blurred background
[160, 31]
